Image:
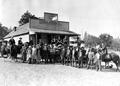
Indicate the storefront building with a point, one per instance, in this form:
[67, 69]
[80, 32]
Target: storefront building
[42, 29]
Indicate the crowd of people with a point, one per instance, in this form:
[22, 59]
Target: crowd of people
[58, 51]
[33, 53]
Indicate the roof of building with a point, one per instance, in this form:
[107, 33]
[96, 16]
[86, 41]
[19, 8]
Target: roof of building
[25, 29]
[19, 31]
[42, 27]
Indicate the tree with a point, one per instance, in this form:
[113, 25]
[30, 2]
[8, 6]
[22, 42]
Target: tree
[3, 31]
[106, 39]
[25, 18]
[116, 44]
[91, 40]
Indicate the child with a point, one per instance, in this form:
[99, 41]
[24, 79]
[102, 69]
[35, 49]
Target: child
[98, 61]
[91, 59]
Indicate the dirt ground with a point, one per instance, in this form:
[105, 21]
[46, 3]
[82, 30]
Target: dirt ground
[23, 74]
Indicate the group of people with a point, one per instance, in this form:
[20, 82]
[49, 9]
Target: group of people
[54, 52]
[32, 53]
[80, 55]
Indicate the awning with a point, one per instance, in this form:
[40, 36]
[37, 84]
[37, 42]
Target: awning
[70, 33]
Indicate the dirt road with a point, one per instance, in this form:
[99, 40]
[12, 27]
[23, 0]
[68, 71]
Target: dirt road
[22, 74]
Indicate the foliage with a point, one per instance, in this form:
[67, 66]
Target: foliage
[91, 40]
[3, 31]
[25, 18]
[106, 39]
[116, 44]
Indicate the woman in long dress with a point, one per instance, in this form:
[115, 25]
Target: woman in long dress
[38, 52]
[29, 54]
[45, 52]
[24, 52]
[34, 54]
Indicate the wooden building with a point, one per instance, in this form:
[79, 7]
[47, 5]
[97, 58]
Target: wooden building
[44, 29]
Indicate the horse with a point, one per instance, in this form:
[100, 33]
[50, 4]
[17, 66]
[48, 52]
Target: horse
[111, 57]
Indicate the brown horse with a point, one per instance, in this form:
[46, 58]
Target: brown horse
[111, 57]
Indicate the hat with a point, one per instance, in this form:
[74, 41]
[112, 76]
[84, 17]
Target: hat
[20, 38]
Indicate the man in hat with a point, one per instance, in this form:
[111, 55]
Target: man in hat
[12, 41]
[83, 56]
[20, 41]
[13, 49]
[20, 44]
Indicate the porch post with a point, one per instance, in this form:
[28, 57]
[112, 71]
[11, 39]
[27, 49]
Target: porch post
[36, 38]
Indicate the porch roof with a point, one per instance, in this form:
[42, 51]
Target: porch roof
[70, 33]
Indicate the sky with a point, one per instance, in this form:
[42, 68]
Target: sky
[92, 16]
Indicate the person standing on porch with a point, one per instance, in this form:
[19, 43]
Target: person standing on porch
[20, 44]
[20, 41]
